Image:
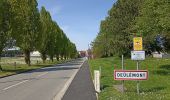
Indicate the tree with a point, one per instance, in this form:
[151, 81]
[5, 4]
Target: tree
[72, 51]
[46, 21]
[115, 35]
[4, 24]
[51, 41]
[64, 46]
[58, 41]
[25, 25]
[153, 20]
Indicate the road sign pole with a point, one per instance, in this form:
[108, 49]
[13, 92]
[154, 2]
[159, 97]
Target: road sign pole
[137, 81]
[123, 69]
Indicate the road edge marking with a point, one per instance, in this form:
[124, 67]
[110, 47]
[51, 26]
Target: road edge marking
[61, 93]
[14, 85]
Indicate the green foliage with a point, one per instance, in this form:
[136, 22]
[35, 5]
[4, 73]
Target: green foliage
[54, 42]
[114, 37]
[128, 17]
[4, 23]
[157, 87]
[33, 30]
[25, 25]
[154, 19]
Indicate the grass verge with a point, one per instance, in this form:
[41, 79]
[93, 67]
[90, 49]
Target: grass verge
[157, 87]
[9, 69]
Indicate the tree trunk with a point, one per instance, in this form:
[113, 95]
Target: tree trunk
[0, 64]
[51, 58]
[61, 57]
[57, 57]
[27, 57]
[43, 57]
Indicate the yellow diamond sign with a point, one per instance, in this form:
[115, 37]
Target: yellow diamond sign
[137, 43]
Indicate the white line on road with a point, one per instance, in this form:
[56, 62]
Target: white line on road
[61, 93]
[42, 74]
[15, 85]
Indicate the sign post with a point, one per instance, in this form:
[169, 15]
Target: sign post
[137, 81]
[123, 69]
[138, 55]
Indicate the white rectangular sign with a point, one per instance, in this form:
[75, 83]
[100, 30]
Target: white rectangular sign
[130, 74]
[138, 55]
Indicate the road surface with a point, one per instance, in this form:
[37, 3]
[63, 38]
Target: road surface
[42, 84]
[82, 87]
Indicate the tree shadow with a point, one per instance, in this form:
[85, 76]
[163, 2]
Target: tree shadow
[102, 87]
[15, 70]
[18, 80]
[57, 67]
[163, 70]
[35, 78]
[153, 89]
[49, 69]
[167, 67]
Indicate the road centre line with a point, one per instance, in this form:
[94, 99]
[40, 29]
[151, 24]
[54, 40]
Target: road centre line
[42, 74]
[15, 85]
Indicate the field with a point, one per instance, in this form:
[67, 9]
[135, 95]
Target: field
[14, 65]
[157, 87]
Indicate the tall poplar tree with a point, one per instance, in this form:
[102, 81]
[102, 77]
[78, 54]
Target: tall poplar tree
[4, 24]
[25, 25]
[46, 21]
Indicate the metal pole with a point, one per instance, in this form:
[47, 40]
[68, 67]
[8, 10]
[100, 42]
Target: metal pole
[100, 69]
[123, 69]
[137, 81]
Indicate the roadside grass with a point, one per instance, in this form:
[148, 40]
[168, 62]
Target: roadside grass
[10, 69]
[157, 87]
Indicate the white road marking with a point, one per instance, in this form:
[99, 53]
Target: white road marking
[42, 74]
[15, 85]
[22, 82]
[61, 93]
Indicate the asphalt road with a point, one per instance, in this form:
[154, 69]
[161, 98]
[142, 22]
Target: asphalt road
[41, 84]
[82, 87]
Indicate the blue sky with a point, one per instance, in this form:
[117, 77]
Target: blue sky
[80, 19]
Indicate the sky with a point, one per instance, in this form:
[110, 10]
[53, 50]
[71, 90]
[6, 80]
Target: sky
[79, 19]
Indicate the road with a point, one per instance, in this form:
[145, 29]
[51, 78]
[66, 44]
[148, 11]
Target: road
[82, 87]
[41, 84]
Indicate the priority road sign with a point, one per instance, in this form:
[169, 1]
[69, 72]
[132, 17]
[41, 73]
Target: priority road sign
[137, 44]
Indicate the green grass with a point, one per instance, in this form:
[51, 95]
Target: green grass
[157, 87]
[9, 69]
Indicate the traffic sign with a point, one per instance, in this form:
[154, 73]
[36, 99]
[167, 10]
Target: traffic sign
[137, 43]
[130, 74]
[138, 55]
